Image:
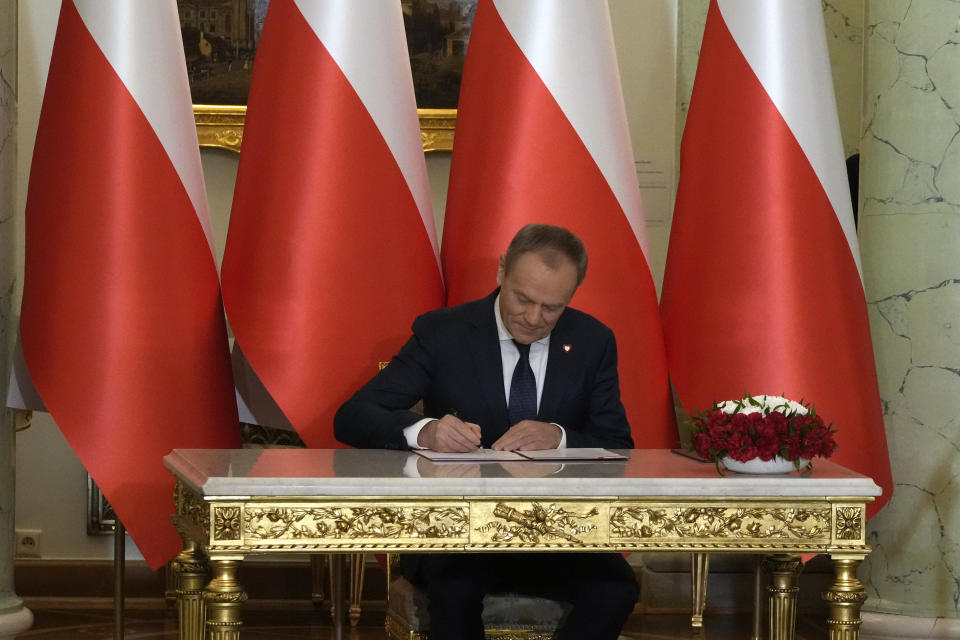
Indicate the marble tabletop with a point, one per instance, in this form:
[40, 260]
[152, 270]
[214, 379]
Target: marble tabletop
[370, 472]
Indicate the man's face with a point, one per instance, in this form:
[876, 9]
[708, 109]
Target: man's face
[533, 295]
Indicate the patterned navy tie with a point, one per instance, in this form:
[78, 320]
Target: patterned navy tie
[523, 388]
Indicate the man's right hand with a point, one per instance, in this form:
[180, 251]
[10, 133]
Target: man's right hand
[449, 434]
[430, 469]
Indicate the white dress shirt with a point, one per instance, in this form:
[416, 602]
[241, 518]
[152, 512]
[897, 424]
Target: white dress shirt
[509, 356]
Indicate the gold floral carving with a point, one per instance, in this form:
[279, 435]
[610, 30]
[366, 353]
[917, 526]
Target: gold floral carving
[549, 523]
[297, 523]
[436, 140]
[226, 597]
[224, 137]
[220, 125]
[719, 522]
[191, 506]
[436, 128]
[190, 567]
[783, 564]
[849, 523]
[226, 523]
[840, 597]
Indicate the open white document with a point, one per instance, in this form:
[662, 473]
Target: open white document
[569, 455]
[546, 455]
[477, 455]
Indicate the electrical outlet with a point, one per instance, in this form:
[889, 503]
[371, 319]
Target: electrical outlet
[27, 543]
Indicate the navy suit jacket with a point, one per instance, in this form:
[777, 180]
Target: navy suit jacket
[452, 363]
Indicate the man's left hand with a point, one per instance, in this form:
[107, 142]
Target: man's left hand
[529, 435]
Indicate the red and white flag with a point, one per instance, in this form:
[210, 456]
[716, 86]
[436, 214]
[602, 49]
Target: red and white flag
[331, 250]
[122, 326]
[763, 290]
[542, 137]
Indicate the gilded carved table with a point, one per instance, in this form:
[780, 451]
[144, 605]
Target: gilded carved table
[235, 503]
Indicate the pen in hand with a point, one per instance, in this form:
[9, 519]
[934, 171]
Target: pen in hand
[456, 414]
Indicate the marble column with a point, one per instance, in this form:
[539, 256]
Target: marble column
[910, 243]
[14, 617]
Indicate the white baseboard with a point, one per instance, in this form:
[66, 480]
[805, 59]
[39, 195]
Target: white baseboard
[14, 622]
[888, 626]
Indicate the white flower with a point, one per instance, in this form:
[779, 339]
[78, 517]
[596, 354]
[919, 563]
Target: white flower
[764, 404]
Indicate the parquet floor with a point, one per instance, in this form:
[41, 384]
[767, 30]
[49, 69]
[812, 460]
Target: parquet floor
[72, 624]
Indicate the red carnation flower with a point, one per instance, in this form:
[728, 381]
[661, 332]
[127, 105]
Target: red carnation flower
[775, 427]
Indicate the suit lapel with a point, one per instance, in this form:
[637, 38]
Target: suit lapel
[559, 368]
[485, 351]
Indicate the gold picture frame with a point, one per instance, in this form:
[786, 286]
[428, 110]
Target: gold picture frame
[220, 41]
[221, 126]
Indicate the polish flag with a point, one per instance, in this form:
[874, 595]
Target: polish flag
[122, 326]
[542, 137]
[763, 289]
[331, 250]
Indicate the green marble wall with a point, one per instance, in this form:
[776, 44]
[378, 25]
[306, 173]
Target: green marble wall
[910, 242]
[8, 175]
[13, 617]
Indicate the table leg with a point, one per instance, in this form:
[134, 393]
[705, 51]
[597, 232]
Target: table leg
[170, 578]
[224, 596]
[318, 562]
[844, 598]
[699, 572]
[190, 574]
[336, 594]
[357, 566]
[784, 572]
[757, 632]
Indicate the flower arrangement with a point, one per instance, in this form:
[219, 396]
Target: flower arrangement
[764, 427]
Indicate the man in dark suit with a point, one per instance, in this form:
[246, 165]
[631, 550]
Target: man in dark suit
[517, 370]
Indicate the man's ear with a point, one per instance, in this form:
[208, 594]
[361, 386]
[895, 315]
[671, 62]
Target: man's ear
[501, 268]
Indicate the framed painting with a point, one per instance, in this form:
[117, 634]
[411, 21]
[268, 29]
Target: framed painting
[220, 41]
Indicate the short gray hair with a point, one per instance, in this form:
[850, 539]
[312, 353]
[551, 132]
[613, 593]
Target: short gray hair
[552, 243]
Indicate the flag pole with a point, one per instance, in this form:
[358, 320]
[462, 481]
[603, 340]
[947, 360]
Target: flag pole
[119, 559]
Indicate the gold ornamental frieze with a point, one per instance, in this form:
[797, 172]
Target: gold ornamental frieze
[355, 526]
[546, 525]
[444, 523]
[720, 525]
